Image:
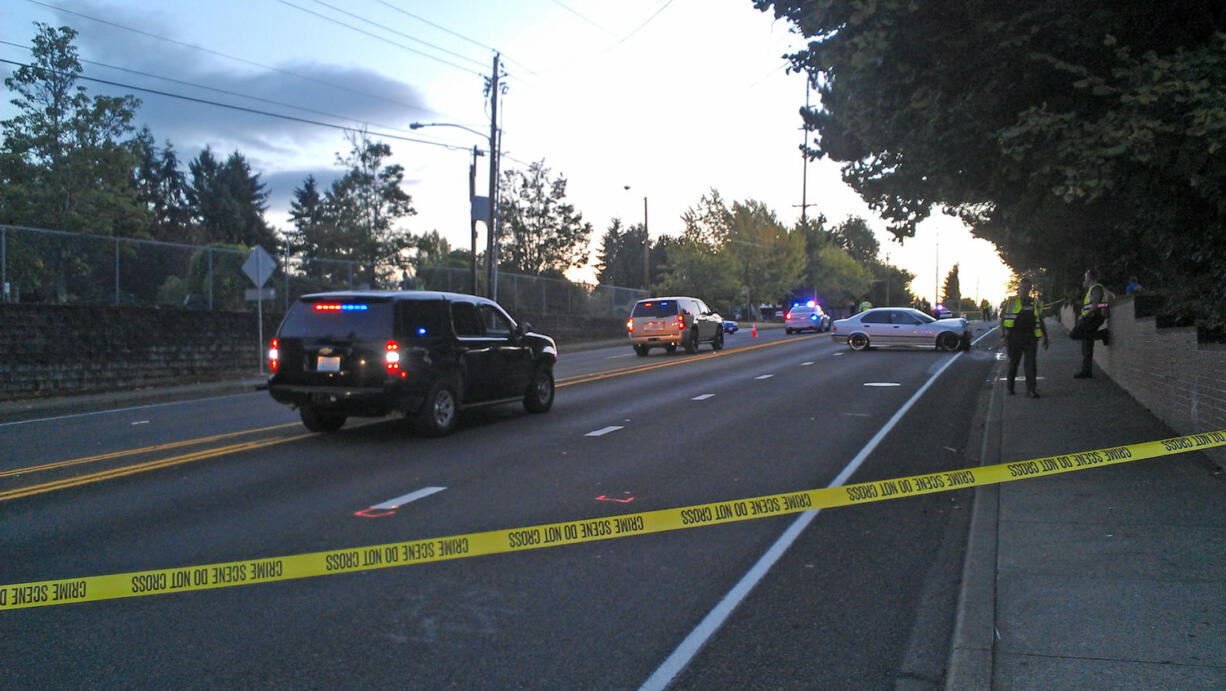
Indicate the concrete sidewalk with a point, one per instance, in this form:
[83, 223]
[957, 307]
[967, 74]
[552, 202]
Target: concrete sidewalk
[1108, 578]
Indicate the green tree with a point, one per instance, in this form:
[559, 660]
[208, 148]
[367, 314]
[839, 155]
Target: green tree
[65, 162]
[767, 260]
[228, 201]
[697, 269]
[539, 232]
[857, 239]
[363, 209]
[839, 279]
[162, 189]
[1067, 134]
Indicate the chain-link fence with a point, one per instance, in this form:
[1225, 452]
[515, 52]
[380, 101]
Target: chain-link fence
[58, 267]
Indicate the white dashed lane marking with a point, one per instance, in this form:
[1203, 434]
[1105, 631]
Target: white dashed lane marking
[702, 397]
[602, 431]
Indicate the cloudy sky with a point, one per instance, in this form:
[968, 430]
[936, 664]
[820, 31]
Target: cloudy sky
[672, 98]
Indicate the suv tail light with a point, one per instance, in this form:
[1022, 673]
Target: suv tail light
[274, 355]
[787, 316]
[681, 322]
[630, 325]
[391, 360]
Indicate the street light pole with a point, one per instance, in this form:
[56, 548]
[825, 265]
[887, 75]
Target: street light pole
[646, 251]
[472, 191]
[472, 221]
[491, 252]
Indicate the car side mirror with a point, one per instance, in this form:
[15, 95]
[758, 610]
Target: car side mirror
[521, 329]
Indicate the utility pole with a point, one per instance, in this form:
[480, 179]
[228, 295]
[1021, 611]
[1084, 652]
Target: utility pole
[804, 178]
[472, 193]
[491, 250]
[646, 251]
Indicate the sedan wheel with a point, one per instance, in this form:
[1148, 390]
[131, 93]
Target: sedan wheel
[718, 343]
[857, 341]
[948, 341]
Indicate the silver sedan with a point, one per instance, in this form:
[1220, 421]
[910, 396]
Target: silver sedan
[901, 326]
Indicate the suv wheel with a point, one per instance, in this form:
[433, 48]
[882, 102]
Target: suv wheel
[317, 421]
[540, 391]
[641, 350]
[440, 411]
[691, 343]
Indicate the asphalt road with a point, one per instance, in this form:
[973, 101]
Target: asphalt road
[860, 597]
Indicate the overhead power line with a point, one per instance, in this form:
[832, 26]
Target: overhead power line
[244, 61]
[640, 26]
[376, 36]
[460, 36]
[243, 109]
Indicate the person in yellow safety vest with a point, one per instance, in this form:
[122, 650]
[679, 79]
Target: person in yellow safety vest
[1093, 313]
[1022, 323]
[866, 305]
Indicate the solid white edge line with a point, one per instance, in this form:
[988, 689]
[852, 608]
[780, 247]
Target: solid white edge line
[411, 496]
[715, 619]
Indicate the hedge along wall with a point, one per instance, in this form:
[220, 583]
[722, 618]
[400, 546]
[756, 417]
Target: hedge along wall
[53, 350]
[1179, 380]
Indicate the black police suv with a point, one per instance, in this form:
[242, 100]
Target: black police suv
[427, 355]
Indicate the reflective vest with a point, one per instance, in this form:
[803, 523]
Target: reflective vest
[1086, 305]
[1013, 306]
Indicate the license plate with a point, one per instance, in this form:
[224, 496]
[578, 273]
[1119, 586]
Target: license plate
[655, 326]
[328, 364]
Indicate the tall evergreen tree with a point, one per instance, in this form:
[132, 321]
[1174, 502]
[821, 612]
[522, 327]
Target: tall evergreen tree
[228, 201]
[620, 261]
[163, 191]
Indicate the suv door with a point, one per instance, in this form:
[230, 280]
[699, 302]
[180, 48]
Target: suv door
[709, 320]
[476, 353]
[511, 359]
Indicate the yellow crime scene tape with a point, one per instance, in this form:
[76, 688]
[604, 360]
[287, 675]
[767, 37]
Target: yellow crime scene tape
[266, 570]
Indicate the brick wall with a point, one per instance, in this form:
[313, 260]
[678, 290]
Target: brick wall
[1181, 381]
[53, 350]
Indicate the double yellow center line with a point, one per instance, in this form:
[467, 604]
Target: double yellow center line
[142, 467]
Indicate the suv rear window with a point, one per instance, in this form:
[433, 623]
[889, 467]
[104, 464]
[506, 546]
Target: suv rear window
[655, 308]
[338, 319]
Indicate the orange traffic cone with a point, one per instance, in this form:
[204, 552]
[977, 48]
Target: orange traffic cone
[754, 333]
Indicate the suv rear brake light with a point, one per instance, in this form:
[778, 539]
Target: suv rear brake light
[391, 360]
[787, 316]
[274, 355]
[630, 325]
[681, 322]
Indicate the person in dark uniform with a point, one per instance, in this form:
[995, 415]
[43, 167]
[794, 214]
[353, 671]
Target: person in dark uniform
[1022, 323]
